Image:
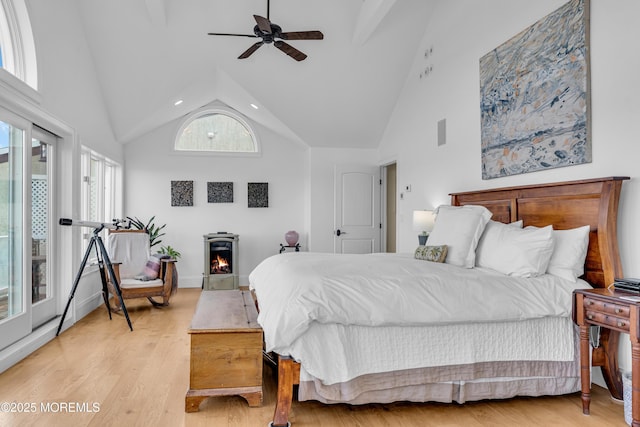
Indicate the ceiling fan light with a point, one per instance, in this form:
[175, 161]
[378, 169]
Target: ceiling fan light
[254, 106]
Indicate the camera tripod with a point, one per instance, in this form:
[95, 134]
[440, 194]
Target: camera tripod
[103, 259]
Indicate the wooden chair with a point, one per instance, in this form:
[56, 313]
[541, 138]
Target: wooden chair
[135, 269]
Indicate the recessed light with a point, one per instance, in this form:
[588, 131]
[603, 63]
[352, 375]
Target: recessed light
[254, 106]
[178, 102]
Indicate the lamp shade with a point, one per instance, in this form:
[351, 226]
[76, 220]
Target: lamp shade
[423, 220]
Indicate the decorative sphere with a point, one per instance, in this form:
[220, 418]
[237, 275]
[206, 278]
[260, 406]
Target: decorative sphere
[291, 237]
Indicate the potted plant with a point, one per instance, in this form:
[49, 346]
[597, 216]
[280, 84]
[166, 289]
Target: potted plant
[168, 250]
[150, 227]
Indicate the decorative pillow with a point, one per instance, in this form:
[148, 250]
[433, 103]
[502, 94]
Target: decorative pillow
[569, 253]
[459, 228]
[151, 269]
[520, 252]
[431, 253]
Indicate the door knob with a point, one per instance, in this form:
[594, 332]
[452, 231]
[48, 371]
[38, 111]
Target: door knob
[338, 232]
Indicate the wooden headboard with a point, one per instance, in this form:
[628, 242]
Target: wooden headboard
[564, 205]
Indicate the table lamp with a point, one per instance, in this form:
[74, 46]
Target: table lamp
[423, 222]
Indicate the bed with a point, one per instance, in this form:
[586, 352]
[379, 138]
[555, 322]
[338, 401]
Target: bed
[402, 332]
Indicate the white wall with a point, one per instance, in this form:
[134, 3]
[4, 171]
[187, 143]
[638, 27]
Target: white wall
[151, 165]
[67, 78]
[460, 33]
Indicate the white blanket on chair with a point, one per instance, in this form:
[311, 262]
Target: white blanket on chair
[131, 250]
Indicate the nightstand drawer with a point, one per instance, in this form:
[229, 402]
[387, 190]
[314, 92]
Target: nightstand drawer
[591, 304]
[607, 320]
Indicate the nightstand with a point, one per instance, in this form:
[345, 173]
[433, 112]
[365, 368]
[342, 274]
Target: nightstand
[608, 309]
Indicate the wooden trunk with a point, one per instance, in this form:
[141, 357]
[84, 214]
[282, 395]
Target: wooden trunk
[226, 349]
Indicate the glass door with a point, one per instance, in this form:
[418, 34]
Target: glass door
[27, 295]
[42, 291]
[15, 321]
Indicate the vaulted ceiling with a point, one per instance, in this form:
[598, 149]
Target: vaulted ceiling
[149, 54]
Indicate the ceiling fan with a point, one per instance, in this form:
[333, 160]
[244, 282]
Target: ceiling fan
[269, 32]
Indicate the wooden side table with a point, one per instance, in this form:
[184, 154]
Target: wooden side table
[295, 247]
[610, 310]
[226, 349]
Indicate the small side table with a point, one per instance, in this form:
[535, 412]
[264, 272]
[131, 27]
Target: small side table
[610, 310]
[285, 247]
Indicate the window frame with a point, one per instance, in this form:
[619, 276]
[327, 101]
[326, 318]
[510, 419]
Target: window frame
[211, 111]
[20, 68]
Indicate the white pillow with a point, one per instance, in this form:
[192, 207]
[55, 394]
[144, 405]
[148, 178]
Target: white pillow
[569, 253]
[460, 228]
[520, 252]
[491, 238]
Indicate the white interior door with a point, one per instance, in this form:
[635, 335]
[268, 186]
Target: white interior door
[357, 209]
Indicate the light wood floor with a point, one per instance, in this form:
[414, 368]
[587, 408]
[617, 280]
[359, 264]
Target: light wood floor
[140, 378]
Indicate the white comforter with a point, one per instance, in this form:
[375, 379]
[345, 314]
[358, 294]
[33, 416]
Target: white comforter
[295, 290]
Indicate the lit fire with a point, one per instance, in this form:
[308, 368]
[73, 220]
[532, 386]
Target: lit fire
[220, 265]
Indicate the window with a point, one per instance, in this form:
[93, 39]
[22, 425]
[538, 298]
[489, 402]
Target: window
[17, 47]
[216, 131]
[100, 185]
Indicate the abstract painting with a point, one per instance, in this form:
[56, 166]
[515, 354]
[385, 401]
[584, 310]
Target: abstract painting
[220, 192]
[181, 193]
[534, 96]
[258, 194]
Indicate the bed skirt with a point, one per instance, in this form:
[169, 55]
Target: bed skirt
[459, 383]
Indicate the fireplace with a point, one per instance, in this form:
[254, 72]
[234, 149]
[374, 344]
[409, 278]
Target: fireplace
[220, 261]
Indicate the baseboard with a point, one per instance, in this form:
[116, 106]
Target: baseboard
[21, 349]
[189, 281]
[87, 305]
[45, 333]
[196, 281]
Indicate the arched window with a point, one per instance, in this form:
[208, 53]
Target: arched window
[17, 48]
[216, 131]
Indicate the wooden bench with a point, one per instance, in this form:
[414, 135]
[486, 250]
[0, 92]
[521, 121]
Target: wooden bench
[226, 349]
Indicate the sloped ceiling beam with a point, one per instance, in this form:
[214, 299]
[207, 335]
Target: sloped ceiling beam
[371, 14]
[213, 86]
[157, 12]
[237, 97]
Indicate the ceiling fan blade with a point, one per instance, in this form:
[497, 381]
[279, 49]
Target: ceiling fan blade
[290, 50]
[263, 23]
[236, 35]
[302, 35]
[247, 53]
